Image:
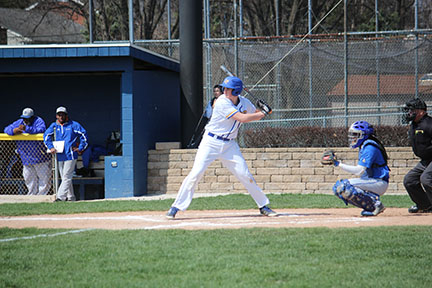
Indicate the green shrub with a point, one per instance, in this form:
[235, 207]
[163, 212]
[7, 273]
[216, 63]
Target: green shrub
[391, 136]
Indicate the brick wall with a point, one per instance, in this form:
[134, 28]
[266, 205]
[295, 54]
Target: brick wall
[276, 170]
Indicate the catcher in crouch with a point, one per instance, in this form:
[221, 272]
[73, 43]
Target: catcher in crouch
[363, 192]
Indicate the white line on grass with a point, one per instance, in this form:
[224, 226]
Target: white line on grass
[140, 218]
[254, 223]
[45, 235]
[206, 224]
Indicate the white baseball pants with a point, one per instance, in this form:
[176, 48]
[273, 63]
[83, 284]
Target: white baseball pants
[66, 169]
[37, 178]
[376, 186]
[228, 152]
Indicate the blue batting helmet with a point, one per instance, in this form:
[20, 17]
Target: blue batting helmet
[359, 132]
[233, 83]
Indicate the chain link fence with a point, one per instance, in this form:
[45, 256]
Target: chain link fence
[25, 166]
[324, 81]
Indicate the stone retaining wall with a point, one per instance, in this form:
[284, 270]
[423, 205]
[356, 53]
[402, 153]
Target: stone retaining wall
[276, 170]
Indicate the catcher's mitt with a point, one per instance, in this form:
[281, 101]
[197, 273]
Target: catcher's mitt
[264, 107]
[328, 158]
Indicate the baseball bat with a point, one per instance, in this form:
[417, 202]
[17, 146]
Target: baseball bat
[244, 87]
[226, 71]
[195, 136]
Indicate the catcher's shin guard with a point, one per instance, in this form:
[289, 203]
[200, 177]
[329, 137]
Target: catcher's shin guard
[339, 188]
[355, 196]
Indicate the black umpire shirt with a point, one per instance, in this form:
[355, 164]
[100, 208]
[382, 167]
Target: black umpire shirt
[420, 134]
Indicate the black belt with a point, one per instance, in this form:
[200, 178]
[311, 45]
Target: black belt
[218, 137]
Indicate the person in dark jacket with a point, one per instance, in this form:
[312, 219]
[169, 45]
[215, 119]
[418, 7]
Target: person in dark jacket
[418, 181]
[36, 162]
[205, 117]
[217, 91]
[71, 140]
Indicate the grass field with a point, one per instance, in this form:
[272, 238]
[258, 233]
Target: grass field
[259, 257]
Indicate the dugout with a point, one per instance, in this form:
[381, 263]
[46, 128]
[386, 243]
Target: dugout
[105, 87]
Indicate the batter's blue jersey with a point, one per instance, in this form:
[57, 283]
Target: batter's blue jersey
[370, 156]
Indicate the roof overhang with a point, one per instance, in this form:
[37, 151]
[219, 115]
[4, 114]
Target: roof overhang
[88, 50]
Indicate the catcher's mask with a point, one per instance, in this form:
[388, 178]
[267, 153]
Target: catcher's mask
[358, 133]
[234, 83]
[410, 108]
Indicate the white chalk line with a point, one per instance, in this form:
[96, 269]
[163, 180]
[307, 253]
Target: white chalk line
[203, 224]
[186, 223]
[254, 223]
[206, 222]
[46, 235]
[120, 218]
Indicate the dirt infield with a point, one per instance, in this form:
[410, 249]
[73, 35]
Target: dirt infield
[220, 219]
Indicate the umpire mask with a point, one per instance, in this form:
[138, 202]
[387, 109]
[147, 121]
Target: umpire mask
[410, 108]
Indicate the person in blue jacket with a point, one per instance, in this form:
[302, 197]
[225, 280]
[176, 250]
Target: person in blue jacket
[71, 140]
[364, 192]
[36, 162]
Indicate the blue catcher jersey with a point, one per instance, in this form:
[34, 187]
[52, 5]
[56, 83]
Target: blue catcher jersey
[370, 156]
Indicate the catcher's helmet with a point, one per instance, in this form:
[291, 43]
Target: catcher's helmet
[233, 83]
[358, 133]
[410, 107]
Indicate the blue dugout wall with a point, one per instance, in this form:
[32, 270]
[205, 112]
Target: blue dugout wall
[105, 87]
[150, 114]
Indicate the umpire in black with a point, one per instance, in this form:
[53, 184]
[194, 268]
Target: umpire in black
[418, 181]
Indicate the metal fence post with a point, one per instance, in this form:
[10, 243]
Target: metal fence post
[346, 63]
[56, 171]
[131, 24]
[416, 48]
[377, 60]
[310, 60]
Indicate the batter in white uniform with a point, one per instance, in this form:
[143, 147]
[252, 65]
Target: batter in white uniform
[230, 111]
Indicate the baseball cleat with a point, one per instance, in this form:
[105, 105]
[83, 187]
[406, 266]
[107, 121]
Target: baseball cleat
[172, 212]
[266, 211]
[379, 208]
[415, 209]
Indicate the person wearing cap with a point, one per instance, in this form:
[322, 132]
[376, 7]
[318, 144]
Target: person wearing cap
[71, 140]
[230, 111]
[36, 162]
[418, 181]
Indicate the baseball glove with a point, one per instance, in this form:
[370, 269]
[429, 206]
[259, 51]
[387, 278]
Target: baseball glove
[328, 158]
[264, 107]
